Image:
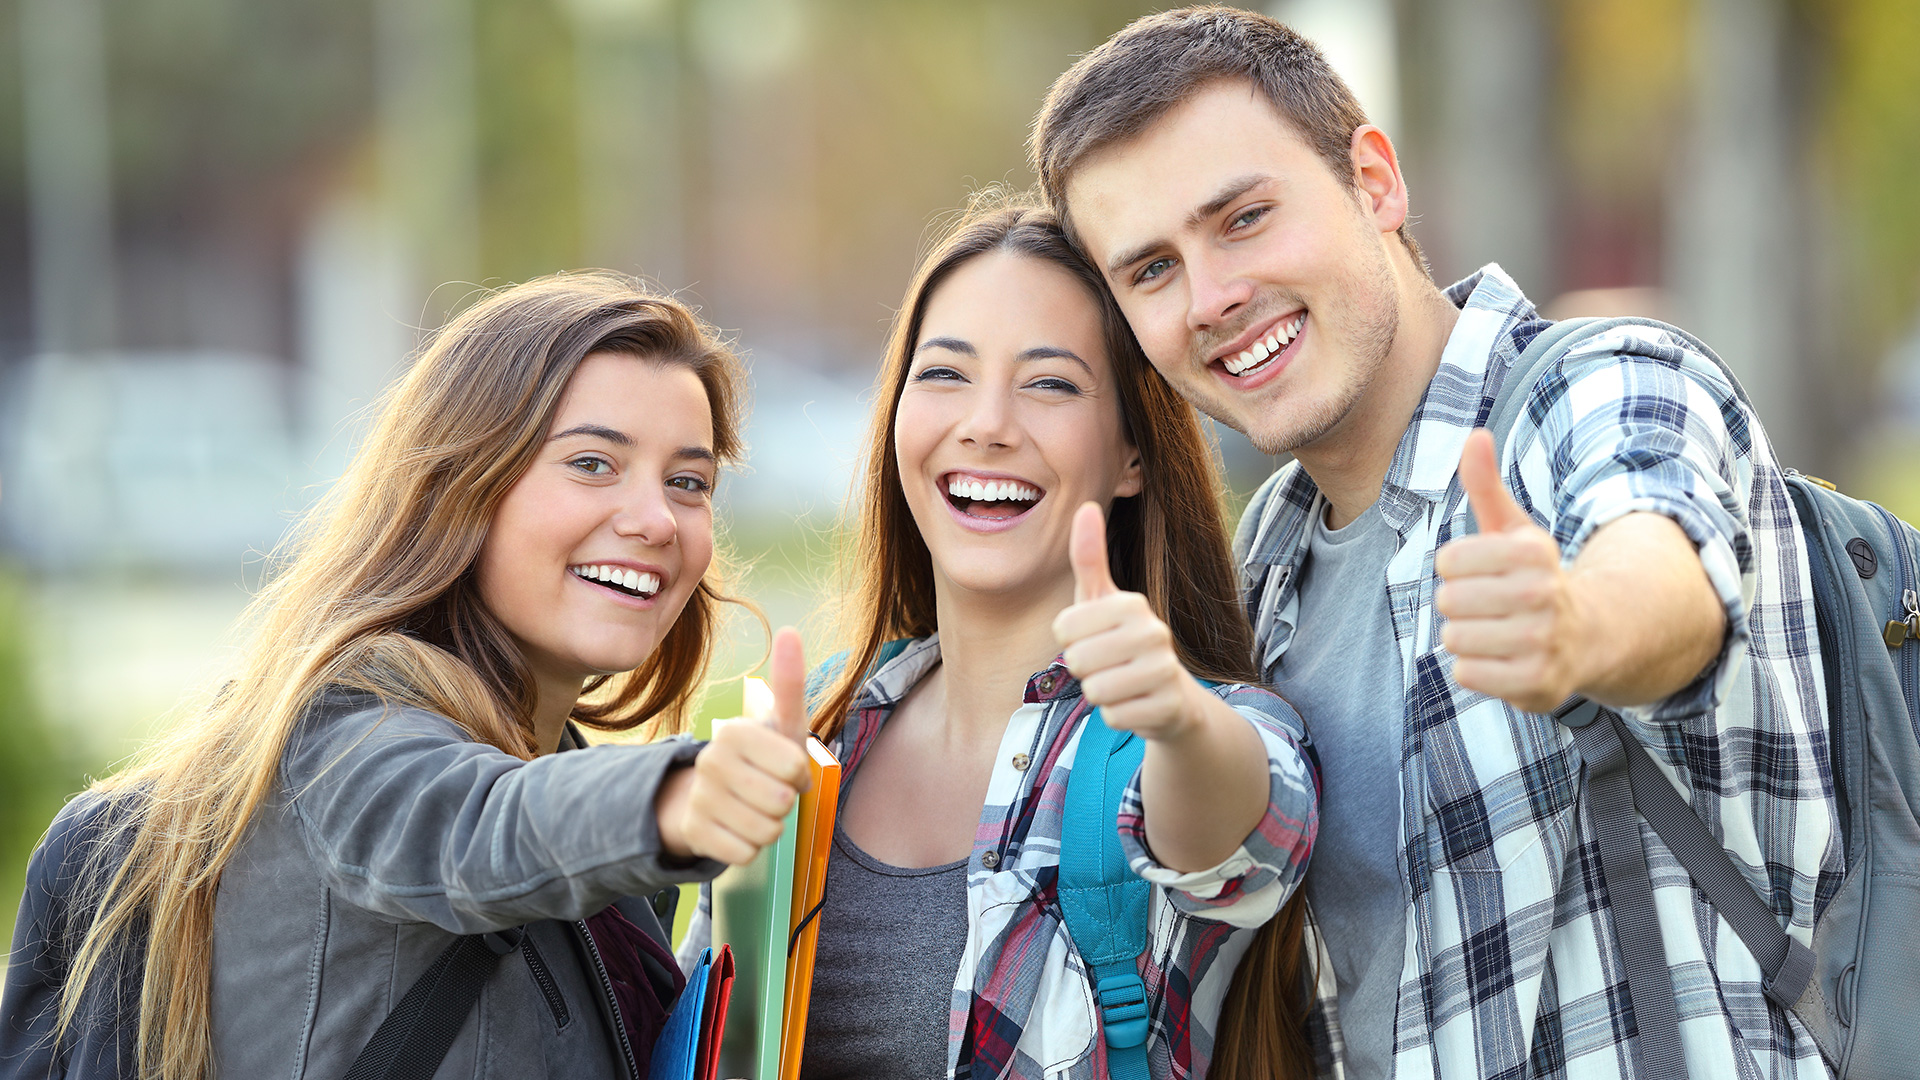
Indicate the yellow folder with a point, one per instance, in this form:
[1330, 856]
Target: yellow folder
[813, 843]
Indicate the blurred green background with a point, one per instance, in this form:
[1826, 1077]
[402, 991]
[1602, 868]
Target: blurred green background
[225, 223]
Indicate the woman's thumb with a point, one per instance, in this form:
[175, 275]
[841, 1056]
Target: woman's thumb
[788, 679]
[1087, 550]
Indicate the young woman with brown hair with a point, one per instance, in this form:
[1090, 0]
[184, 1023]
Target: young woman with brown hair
[1012, 397]
[522, 545]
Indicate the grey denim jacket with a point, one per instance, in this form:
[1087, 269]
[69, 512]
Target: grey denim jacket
[390, 833]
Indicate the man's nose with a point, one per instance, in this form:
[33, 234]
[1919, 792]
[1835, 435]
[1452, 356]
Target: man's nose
[1215, 290]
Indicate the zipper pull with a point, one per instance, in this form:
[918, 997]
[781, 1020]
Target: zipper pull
[1900, 631]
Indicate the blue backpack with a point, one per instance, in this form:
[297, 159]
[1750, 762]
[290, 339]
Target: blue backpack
[1858, 988]
[1103, 902]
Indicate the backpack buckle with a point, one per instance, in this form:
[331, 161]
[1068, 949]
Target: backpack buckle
[1123, 1009]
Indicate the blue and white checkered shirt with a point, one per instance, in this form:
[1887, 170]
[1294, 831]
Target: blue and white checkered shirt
[1511, 966]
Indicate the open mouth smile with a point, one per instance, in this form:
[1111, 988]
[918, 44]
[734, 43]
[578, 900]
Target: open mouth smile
[1260, 356]
[625, 581]
[990, 501]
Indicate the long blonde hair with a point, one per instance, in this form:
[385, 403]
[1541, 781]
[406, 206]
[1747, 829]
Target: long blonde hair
[376, 592]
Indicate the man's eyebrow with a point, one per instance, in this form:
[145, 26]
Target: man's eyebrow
[599, 431]
[1228, 192]
[951, 343]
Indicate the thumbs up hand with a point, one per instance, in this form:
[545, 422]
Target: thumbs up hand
[1122, 652]
[1511, 619]
[734, 799]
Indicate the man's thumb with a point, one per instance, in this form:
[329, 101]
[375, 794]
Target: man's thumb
[788, 677]
[1087, 549]
[1493, 506]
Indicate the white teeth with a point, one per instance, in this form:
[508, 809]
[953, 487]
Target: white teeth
[991, 491]
[631, 580]
[1265, 349]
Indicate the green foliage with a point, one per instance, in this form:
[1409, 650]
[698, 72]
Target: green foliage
[35, 774]
[1870, 128]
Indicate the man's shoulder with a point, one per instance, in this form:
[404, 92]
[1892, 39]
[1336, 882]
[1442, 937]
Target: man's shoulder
[1624, 357]
[1289, 488]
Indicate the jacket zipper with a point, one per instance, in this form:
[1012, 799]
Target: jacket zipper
[548, 987]
[606, 989]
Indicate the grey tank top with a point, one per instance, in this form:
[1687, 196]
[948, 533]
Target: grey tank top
[890, 943]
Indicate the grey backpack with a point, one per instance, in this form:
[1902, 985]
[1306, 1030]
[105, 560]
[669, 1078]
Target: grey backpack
[1858, 988]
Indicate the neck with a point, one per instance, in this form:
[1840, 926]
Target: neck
[553, 703]
[990, 644]
[1350, 462]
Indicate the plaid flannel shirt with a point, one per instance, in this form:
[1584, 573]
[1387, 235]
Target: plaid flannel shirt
[1511, 967]
[1023, 1005]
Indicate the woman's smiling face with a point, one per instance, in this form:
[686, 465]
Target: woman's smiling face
[596, 549]
[1008, 421]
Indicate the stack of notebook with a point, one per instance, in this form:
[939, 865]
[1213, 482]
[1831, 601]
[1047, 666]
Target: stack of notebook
[764, 930]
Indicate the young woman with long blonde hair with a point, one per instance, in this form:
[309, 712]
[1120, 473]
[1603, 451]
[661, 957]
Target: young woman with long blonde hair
[521, 548]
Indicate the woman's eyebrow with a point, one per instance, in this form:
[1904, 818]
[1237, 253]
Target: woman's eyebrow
[953, 344]
[694, 453]
[599, 431]
[1054, 352]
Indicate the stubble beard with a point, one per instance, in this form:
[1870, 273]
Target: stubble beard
[1368, 327]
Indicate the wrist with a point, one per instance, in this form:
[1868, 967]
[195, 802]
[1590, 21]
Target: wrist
[670, 810]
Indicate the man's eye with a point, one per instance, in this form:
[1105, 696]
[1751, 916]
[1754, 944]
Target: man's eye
[1154, 269]
[1249, 216]
[593, 466]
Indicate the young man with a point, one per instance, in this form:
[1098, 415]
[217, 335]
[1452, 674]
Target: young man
[1634, 545]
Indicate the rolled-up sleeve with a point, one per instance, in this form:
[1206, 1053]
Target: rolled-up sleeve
[1627, 425]
[1248, 886]
[407, 817]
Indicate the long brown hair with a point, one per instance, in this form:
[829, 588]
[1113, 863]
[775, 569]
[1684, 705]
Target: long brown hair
[1168, 543]
[375, 591]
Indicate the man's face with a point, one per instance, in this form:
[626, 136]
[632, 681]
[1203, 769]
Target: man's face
[1256, 280]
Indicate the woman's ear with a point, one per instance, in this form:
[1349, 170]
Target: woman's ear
[1132, 480]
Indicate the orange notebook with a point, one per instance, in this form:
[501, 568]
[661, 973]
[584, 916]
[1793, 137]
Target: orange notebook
[813, 842]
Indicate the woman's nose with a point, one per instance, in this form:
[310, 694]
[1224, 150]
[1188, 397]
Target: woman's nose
[988, 420]
[647, 517]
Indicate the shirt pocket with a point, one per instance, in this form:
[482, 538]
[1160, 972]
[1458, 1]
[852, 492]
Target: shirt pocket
[1025, 968]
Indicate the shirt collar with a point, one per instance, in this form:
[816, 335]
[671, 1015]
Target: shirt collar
[1459, 396]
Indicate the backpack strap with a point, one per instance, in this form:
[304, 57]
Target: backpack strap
[1624, 784]
[414, 1039]
[1103, 901]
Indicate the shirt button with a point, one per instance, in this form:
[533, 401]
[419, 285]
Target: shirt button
[1046, 684]
[1021, 761]
[990, 860]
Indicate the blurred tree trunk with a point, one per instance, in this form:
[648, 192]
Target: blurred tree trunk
[1476, 98]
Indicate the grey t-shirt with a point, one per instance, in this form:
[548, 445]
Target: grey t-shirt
[1342, 671]
[890, 944]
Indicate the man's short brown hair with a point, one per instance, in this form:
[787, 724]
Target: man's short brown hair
[1118, 90]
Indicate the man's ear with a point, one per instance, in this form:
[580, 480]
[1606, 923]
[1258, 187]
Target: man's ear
[1132, 477]
[1377, 181]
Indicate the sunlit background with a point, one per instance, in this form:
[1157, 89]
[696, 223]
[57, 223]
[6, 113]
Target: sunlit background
[224, 224]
